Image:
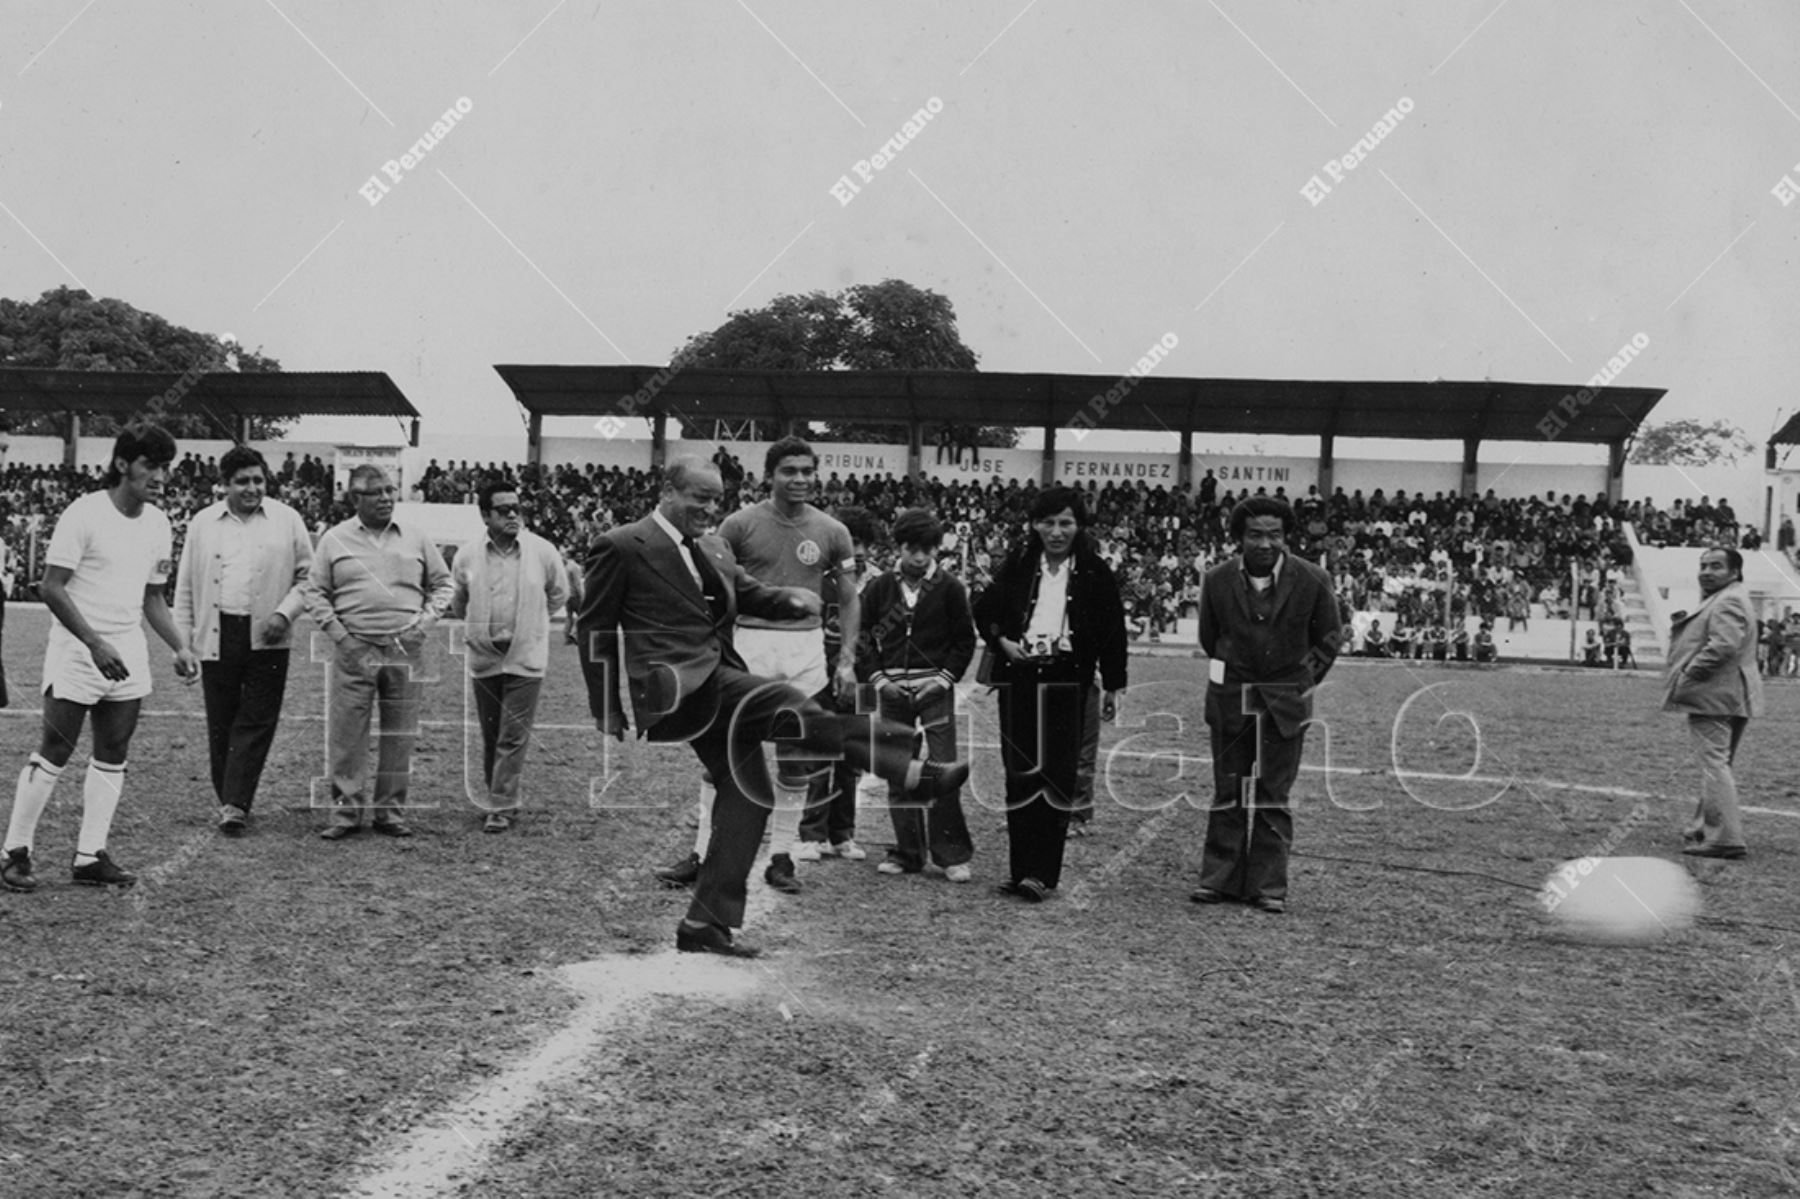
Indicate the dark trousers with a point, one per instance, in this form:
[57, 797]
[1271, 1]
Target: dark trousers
[506, 706]
[830, 814]
[1041, 709]
[922, 827]
[1251, 826]
[727, 721]
[1089, 760]
[243, 692]
[3, 699]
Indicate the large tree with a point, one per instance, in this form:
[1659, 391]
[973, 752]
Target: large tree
[68, 329]
[890, 325]
[1690, 443]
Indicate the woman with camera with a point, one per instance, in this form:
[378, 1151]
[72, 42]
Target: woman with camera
[1052, 616]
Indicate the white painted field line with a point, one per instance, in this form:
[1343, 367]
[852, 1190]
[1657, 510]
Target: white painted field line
[449, 1148]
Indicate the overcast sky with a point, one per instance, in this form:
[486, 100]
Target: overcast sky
[1098, 176]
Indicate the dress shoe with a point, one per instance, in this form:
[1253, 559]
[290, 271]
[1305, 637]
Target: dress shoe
[780, 875]
[1208, 895]
[682, 874]
[1265, 903]
[711, 938]
[393, 828]
[231, 820]
[338, 831]
[1730, 853]
[497, 822]
[941, 778]
[1031, 890]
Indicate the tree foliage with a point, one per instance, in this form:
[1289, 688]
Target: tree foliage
[890, 325]
[1690, 443]
[68, 329]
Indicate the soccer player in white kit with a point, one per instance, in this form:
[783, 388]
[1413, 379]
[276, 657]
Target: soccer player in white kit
[786, 542]
[109, 559]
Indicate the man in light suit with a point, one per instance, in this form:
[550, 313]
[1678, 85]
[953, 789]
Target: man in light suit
[1712, 677]
[1269, 627]
[675, 595]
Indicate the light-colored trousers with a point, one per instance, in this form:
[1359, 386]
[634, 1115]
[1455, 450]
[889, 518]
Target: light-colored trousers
[1717, 820]
[358, 684]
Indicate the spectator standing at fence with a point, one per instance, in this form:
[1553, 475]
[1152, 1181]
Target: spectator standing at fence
[1712, 678]
[241, 586]
[107, 565]
[505, 586]
[1269, 628]
[918, 640]
[377, 590]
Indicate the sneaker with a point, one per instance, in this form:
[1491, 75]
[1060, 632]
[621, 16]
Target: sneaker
[15, 870]
[890, 867]
[958, 874]
[780, 874]
[101, 872]
[850, 851]
[809, 851]
[231, 820]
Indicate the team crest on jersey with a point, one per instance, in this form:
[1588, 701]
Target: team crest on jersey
[164, 566]
[808, 552]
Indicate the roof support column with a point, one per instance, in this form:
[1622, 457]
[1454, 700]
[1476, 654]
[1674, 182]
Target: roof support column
[915, 448]
[1615, 470]
[1184, 461]
[243, 429]
[1327, 459]
[72, 442]
[534, 438]
[1471, 455]
[659, 440]
[1048, 478]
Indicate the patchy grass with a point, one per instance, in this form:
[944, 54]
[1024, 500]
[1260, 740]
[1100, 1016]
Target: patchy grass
[261, 1016]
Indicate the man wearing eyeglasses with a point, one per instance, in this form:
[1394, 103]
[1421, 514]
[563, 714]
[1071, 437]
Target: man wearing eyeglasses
[376, 589]
[507, 585]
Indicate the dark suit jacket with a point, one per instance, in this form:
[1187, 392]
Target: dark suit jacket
[1096, 612]
[1272, 665]
[638, 583]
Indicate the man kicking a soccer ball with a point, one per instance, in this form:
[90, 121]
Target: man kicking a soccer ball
[108, 561]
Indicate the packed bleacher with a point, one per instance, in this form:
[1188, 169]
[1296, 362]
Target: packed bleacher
[1423, 567]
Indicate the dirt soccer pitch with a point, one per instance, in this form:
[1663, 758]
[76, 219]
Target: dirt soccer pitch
[476, 1015]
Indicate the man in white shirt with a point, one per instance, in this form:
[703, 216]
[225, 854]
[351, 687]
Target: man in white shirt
[108, 562]
[240, 587]
[507, 584]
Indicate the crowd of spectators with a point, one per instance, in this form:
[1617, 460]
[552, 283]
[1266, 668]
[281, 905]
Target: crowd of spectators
[1426, 567]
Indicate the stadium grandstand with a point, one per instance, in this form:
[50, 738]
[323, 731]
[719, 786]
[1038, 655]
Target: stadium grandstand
[1432, 559]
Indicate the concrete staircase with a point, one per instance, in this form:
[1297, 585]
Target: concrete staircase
[1648, 644]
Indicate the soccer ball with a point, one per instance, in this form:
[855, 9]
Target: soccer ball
[1620, 900]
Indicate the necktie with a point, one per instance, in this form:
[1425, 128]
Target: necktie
[710, 585]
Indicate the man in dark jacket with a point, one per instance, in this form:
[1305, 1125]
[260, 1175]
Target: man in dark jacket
[917, 640]
[1269, 625]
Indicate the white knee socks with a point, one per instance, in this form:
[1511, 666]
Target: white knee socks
[100, 793]
[36, 782]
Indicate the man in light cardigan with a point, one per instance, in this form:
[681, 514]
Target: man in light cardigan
[239, 589]
[507, 583]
